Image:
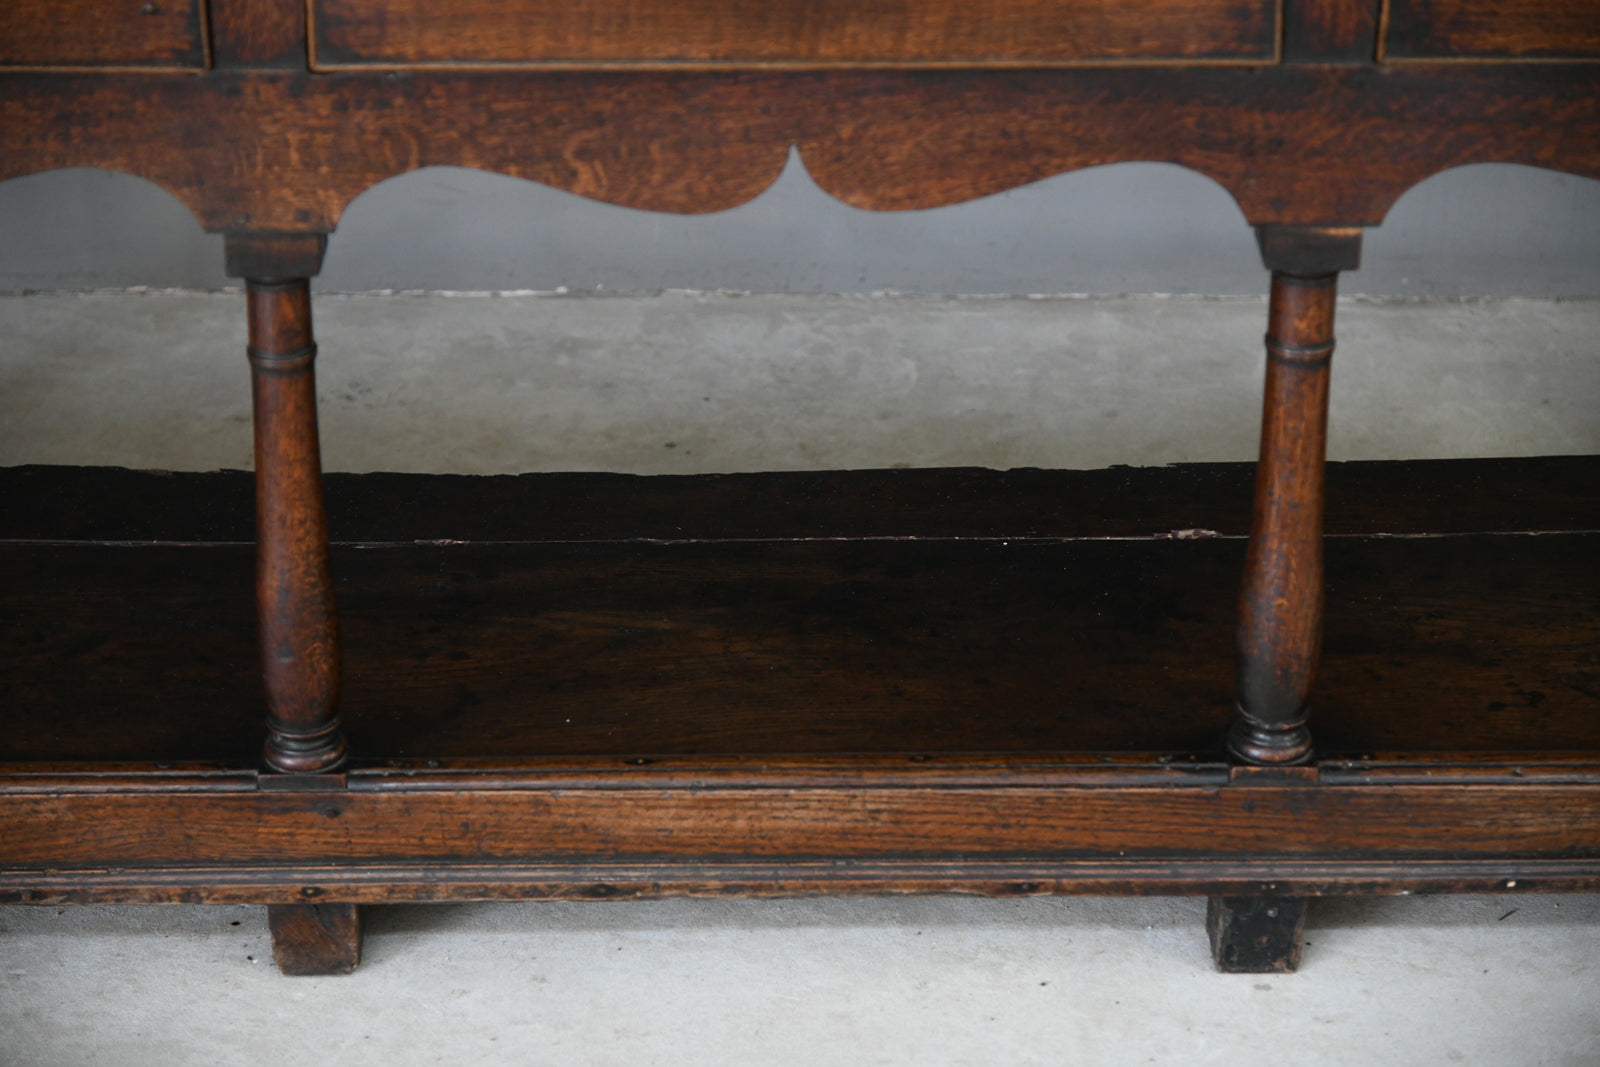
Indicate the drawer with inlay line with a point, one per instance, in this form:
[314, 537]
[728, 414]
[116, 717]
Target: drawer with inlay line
[399, 33]
[72, 34]
[1492, 30]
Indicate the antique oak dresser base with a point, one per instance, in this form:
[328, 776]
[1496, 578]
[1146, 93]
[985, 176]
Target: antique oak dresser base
[841, 709]
[603, 686]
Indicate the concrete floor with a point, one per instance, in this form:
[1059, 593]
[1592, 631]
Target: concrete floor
[686, 382]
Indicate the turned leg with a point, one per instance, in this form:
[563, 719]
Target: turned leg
[1280, 604]
[1281, 600]
[294, 590]
[299, 628]
[315, 938]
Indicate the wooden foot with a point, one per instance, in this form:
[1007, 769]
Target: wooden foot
[315, 938]
[1256, 935]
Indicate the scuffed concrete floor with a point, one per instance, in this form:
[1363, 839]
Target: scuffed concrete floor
[929, 980]
[686, 382]
[682, 383]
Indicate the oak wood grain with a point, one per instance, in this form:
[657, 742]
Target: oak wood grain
[1281, 597]
[159, 34]
[1493, 29]
[1530, 820]
[297, 619]
[597, 880]
[1330, 31]
[1009, 630]
[259, 33]
[315, 939]
[406, 32]
[1294, 144]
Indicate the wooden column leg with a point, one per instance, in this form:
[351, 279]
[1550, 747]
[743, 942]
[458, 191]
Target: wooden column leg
[315, 938]
[299, 626]
[1280, 604]
[294, 590]
[1281, 599]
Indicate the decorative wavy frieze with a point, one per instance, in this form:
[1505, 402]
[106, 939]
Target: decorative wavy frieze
[287, 152]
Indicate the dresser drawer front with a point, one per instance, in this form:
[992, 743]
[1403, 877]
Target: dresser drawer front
[161, 34]
[1493, 29]
[790, 32]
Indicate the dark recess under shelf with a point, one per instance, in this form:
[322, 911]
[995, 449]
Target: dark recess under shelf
[938, 612]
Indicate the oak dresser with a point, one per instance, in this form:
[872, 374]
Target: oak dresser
[893, 681]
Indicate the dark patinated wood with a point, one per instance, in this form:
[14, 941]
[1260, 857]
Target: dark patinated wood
[1281, 602]
[1492, 29]
[1451, 496]
[935, 639]
[1020, 829]
[313, 939]
[797, 32]
[1460, 644]
[258, 34]
[280, 152]
[800, 811]
[275, 257]
[1256, 935]
[298, 623]
[596, 880]
[1330, 31]
[1309, 251]
[836, 691]
[107, 34]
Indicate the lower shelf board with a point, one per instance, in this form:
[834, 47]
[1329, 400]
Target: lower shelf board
[900, 681]
[367, 884]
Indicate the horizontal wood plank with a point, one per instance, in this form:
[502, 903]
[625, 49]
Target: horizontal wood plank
[472, 651]
[371, 883]
[998, 822]
[743, 635]
[102, 33]
[797, 32]
[1546, 494]
[286, 153]
[1493, 29]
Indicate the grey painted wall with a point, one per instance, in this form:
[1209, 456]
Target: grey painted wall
[1488, 230]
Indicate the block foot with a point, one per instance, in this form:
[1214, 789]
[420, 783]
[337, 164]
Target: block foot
[1256, 935]
[315, 938]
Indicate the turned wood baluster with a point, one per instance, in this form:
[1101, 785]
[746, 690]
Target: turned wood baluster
[1280, 604]
[294, 589]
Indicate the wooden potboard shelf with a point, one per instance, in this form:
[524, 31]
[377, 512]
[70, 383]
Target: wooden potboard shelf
[879, 612]
[600, 685]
